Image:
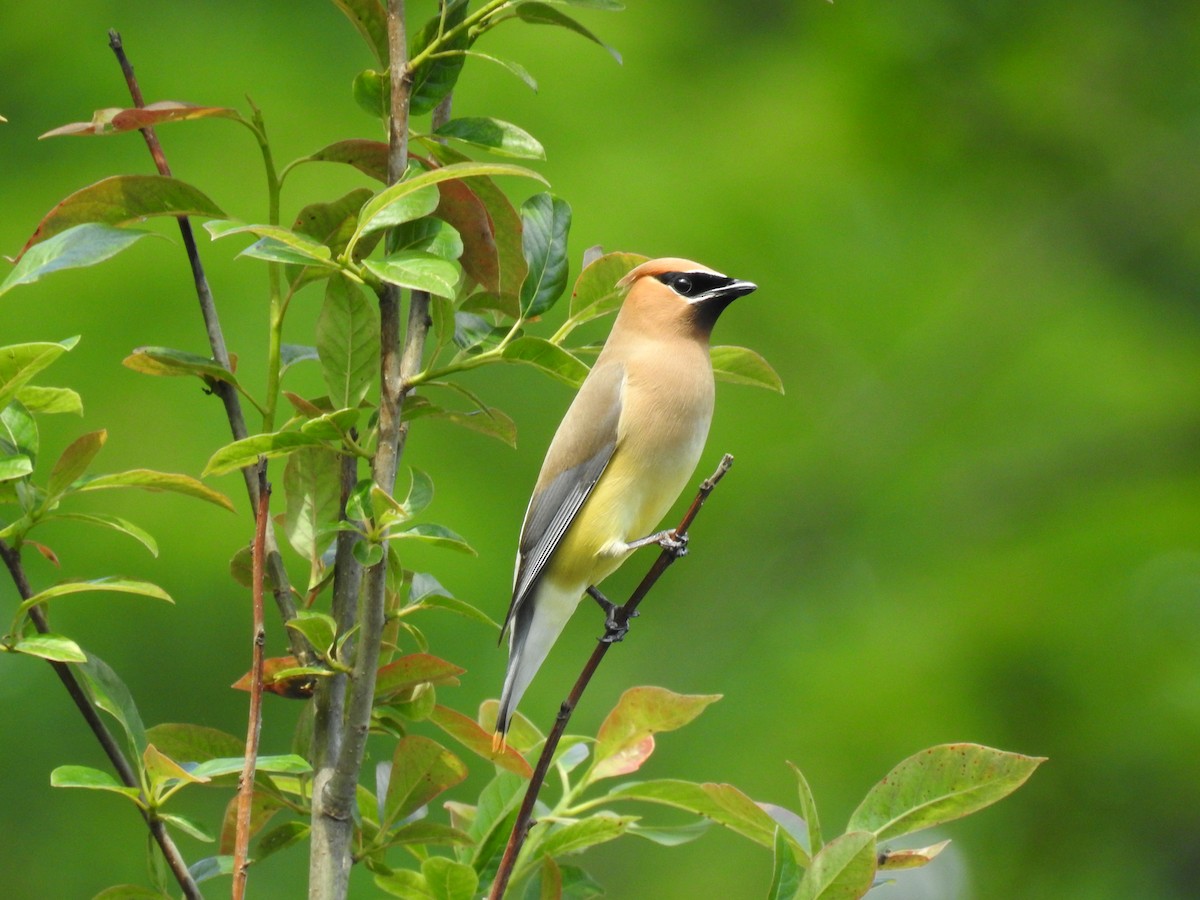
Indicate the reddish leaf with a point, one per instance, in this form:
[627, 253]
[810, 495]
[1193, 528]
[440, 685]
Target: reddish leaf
[116, 120]
[626, 740]
[469, 733]
[369, 157]
[295, 685]
[421, 769]
[412, 670]
[45, 551]
[461, 207]
[262, 808]
[121, 200]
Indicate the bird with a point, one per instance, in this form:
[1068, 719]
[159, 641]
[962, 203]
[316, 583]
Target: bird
[620, 458]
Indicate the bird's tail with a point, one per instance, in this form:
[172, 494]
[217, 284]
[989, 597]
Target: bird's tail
[537, 623]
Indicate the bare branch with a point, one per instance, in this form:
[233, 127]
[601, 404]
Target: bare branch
[83, 702]
[216, 340]
[241, 862]
[622, 615]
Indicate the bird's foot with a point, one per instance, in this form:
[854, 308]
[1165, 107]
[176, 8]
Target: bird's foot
[675, 544]
[616, 623]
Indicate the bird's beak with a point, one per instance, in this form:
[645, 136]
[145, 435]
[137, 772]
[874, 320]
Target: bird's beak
[736, 289]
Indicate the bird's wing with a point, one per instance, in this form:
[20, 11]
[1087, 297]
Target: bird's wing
[578, 455]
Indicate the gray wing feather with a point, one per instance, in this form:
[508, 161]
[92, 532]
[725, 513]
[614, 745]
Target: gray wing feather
[554, 507]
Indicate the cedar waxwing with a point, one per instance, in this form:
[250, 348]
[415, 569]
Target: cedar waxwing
[620, 458]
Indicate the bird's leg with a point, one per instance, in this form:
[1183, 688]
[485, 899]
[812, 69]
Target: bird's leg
[675, 544]
[616, 623]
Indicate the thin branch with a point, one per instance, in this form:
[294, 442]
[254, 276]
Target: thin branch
[83, 702]
[216, 340]
[241, 862]
[621, 615]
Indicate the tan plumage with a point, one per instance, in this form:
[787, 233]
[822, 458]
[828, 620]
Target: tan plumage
[620, 458]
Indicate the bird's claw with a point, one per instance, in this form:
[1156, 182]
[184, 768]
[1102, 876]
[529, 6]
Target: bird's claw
[675, 544]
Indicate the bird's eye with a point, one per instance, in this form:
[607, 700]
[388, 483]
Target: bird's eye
[682, 285]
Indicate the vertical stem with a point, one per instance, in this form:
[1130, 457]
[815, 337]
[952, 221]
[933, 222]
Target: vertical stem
[83, 702]
[333, 801]
[274, 290]
[241, 862]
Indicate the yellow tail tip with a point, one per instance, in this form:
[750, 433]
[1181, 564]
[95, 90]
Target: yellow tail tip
[499, 743]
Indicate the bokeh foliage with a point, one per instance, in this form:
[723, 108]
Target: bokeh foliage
[974, 515]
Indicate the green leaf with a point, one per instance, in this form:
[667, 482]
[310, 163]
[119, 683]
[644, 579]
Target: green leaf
[13, 467]
[437, 535]
[550, 358]
[486, 420]
[421, 769]
[428, 235]
[373, 92]
[247, 451]
[117, 120]
[311, 482]
[808, 812]
[671, 835]
[19, 437]
[427, 591]
[546, 220]
[110, 694]
[194, 743]
[596, 293]
[723, 803]
[369, 18]
[73, 248]
[286, 764]
[150, 480]
[290, 354]
[843, 870]
[575, 837]
[544, 14]
[51, 646]
[404, 883]
[115, 523]
[178, 363]
[318, 628]
[515, 68]
[493, 821]
[123, 200]
[417, 270]
[435, 77]
[407, 672]
[276, 243]
[91, 779]
[500, 137]
[397, 194]
[50, 400]
[20, 362]
[420, 493]
[404, 206]
[190, 827]
[740, 365]
[210, 867]
[626, 738]
[939, 785]
[73, 462]
[332, 224]
[785, 875]
[280, 838]
[449, 880]
[347, 342]
[110, 584]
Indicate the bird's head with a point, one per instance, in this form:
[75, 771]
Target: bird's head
[681, 295]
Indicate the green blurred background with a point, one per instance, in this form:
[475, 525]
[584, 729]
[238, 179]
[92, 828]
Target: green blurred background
[974, 515]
